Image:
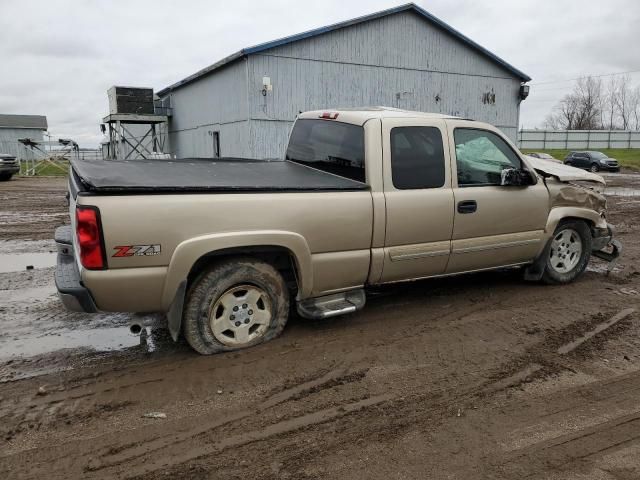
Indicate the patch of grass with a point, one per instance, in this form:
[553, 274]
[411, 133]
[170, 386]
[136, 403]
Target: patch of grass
[627, 157]
[45, 169]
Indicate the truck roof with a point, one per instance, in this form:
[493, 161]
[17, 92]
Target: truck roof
[359, 116]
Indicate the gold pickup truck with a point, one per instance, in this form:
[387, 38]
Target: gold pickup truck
[363, 197]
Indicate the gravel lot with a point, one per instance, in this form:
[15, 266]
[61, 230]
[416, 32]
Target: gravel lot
[455, 378]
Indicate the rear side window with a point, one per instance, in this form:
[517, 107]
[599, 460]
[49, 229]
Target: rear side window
[327, 145]
[417, 158]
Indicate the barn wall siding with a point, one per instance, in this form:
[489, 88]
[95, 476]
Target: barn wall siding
[10, 145]
[403, 40]
[300, 85]
[217, 102]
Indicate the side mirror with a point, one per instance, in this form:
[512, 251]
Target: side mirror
[516, 177]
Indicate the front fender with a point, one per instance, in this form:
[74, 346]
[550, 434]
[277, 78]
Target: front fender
[557, 214]
[188, 252]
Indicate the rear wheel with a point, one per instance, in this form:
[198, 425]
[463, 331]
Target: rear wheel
[236, 303]
[569, 252]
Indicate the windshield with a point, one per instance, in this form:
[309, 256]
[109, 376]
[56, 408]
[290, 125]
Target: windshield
[327, 145]
[597, 155]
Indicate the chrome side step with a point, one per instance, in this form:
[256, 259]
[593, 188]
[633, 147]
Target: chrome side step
[332, 305]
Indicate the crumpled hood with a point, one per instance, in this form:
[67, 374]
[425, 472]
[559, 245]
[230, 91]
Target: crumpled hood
[562, 172]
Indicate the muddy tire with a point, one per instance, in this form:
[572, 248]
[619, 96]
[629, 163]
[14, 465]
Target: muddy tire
[569, 252]
[594, 168]
[236, 303]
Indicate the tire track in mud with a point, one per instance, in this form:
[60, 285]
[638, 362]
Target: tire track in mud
[121, 459]
[106, 455]
[439, 403]
[272, 430]
[588, 428]
[328, 380]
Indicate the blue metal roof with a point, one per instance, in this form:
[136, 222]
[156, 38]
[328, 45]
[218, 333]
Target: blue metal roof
[336, 26]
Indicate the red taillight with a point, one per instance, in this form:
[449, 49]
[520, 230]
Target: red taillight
[89, 238]
[329, 115]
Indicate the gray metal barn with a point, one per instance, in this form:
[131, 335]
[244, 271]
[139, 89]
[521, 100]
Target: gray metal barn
[14, 127]
[402, 57]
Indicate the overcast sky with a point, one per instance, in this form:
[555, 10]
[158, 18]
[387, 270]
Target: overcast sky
[58, 58]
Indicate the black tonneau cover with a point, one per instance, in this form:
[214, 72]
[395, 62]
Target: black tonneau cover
[206, 175]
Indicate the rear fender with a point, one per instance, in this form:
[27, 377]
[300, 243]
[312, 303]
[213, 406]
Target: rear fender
[190, 251]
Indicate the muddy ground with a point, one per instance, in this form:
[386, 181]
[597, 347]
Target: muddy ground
[457, 379]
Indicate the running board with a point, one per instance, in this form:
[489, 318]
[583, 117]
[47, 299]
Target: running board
[332, 305]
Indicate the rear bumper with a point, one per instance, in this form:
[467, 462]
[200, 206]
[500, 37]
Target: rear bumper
[72, 293]
[604, 246]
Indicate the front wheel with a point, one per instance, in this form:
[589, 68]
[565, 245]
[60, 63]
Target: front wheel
[569, 252]
[594, 168]
[236, 303]
[5, 177]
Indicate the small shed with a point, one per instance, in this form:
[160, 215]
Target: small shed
[15, 127]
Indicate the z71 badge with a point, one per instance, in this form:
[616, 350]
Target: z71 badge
[136, 250]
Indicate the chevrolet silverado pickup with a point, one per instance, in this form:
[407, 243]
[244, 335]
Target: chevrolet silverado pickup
[362, 197]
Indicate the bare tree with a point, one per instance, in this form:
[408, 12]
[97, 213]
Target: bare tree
[622, 101]
[580, 109]
[610, 102]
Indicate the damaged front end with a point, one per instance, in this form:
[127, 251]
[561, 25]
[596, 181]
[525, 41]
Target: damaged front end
[605, 247]
[584, 191]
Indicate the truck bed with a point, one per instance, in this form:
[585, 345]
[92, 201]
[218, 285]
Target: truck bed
[204, 175]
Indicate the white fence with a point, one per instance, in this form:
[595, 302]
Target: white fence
[577, 139]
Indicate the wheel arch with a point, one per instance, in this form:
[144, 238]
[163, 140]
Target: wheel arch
[559, 214]
[192, 255]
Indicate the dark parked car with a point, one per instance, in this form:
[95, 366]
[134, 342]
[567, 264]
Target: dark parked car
[594, 161]
[8, 166]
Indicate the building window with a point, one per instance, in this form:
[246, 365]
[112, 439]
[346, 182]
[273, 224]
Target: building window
[417, 158]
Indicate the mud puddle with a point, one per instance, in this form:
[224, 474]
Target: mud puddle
[32, 294]
[16, 262]
[91, 339]
[622, 192]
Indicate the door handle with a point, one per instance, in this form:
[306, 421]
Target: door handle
[467, 206]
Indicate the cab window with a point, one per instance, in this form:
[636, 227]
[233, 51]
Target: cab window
[481, 156]
[334, 147]
[417, 158]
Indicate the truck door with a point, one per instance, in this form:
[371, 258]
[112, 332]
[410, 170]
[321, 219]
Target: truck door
[494, 225]
[418, 197]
